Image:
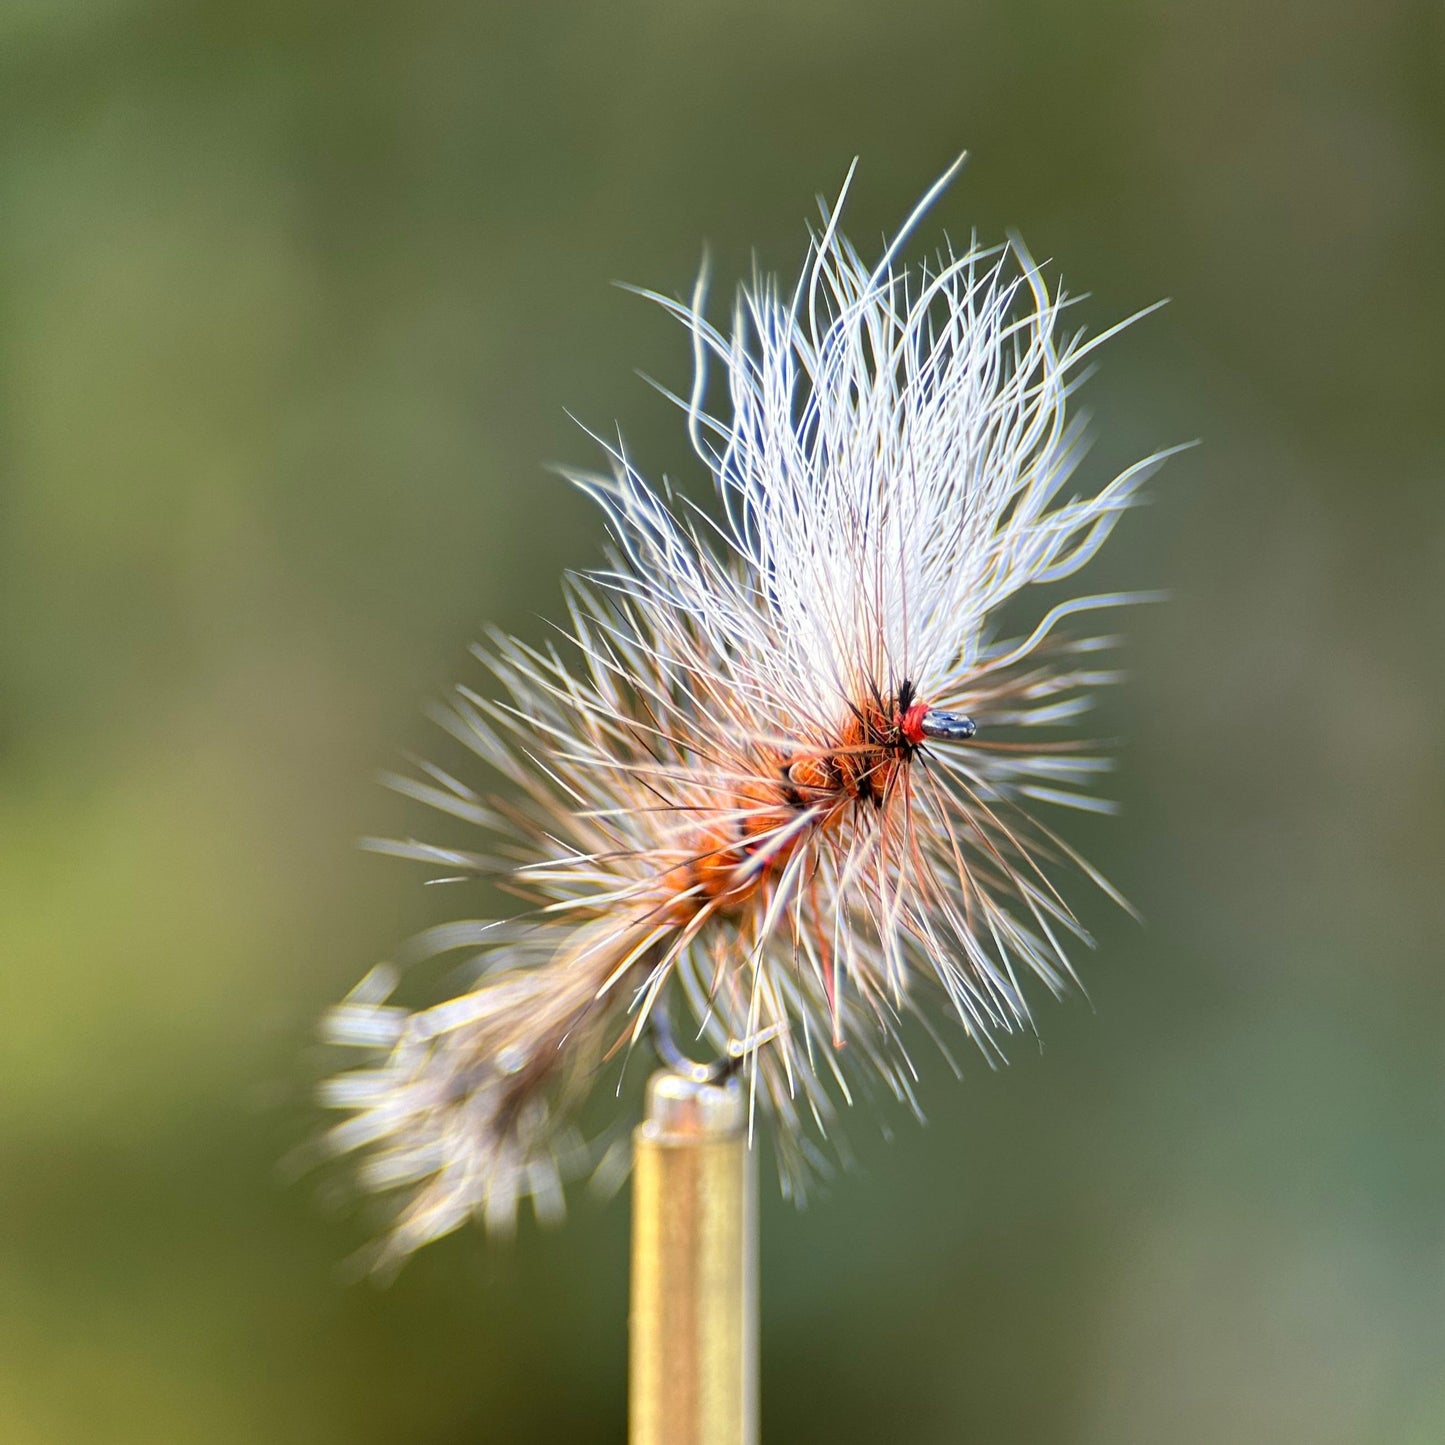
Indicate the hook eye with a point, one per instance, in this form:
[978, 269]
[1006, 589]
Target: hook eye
[947, 727]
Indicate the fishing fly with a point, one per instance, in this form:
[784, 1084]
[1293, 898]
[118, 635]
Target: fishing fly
[781, 777]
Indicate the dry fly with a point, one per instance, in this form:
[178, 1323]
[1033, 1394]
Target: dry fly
[780, 778]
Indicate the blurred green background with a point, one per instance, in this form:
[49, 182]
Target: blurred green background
[293, 295]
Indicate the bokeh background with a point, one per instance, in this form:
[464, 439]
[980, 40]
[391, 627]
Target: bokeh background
[293, 295]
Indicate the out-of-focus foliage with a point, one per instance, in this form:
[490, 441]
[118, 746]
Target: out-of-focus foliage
[292, 298]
